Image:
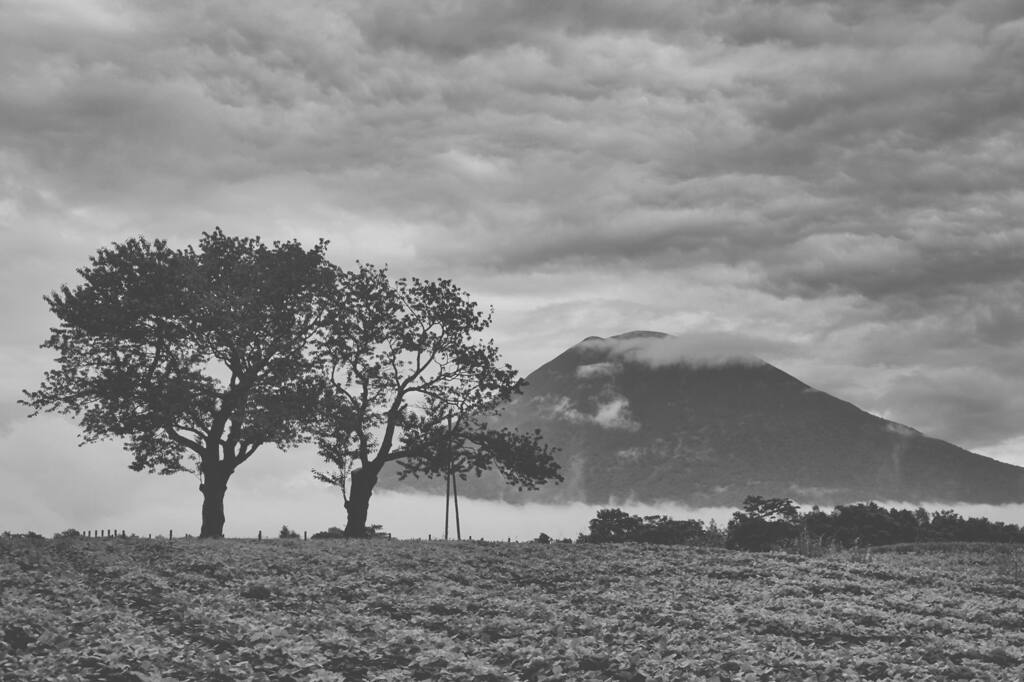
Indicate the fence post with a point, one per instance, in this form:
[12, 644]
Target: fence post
[304, 535]
[260, 536]
[170, 534]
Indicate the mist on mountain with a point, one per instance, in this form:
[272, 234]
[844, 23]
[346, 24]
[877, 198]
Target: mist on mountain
[647, 417]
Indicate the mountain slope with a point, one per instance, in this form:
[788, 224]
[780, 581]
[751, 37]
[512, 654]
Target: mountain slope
[637, 419]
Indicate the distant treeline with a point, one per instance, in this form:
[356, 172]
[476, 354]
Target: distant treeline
[765, 524]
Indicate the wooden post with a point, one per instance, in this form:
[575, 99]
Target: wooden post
[455, 498]
[447, 501]
[170, 535]
[304, 535]
[260, 536]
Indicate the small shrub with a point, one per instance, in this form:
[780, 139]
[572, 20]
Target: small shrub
[763, 525]
[543, 539]
[332, 533]
[615, 525]
[287, 533]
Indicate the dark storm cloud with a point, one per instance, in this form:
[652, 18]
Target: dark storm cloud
[591, 129]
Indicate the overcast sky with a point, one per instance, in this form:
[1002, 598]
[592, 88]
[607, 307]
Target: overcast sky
[835, 187]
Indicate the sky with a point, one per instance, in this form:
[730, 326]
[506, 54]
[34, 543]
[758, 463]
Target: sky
[834, 187]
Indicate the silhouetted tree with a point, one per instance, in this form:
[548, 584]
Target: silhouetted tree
[194, 358]
[763, 524]
[868, 524]
[946, 524]
[451, 438]
[409, 381]
[614, 525]
[287, 533]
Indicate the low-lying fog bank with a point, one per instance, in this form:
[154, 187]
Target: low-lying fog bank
[47, 488]
[415, 515]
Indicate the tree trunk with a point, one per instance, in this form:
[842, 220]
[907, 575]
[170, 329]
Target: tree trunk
[358, 503]
[213, 487]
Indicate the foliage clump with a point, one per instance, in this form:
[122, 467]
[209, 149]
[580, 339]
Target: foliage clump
[332, 533]
[764, 525]
[615, 525]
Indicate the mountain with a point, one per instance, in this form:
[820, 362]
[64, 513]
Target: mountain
[636, 417]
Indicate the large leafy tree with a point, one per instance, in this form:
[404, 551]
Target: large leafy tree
[193, 357]
[409, 380]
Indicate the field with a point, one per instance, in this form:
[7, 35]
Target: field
[395, 610]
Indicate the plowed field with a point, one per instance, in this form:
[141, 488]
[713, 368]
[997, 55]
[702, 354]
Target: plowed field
[395, 610]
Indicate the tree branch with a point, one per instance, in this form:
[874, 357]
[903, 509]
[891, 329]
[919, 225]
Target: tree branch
[183, 441]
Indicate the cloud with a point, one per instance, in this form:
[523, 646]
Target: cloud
[597, 369]
[695, 349]
[612, 414]
[520, 134]
[901, 430]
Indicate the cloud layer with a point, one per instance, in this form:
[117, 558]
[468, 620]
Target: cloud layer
[695, 349]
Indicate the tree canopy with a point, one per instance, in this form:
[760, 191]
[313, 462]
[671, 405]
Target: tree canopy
[197, 357]
[193, 357]
[410, 380]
